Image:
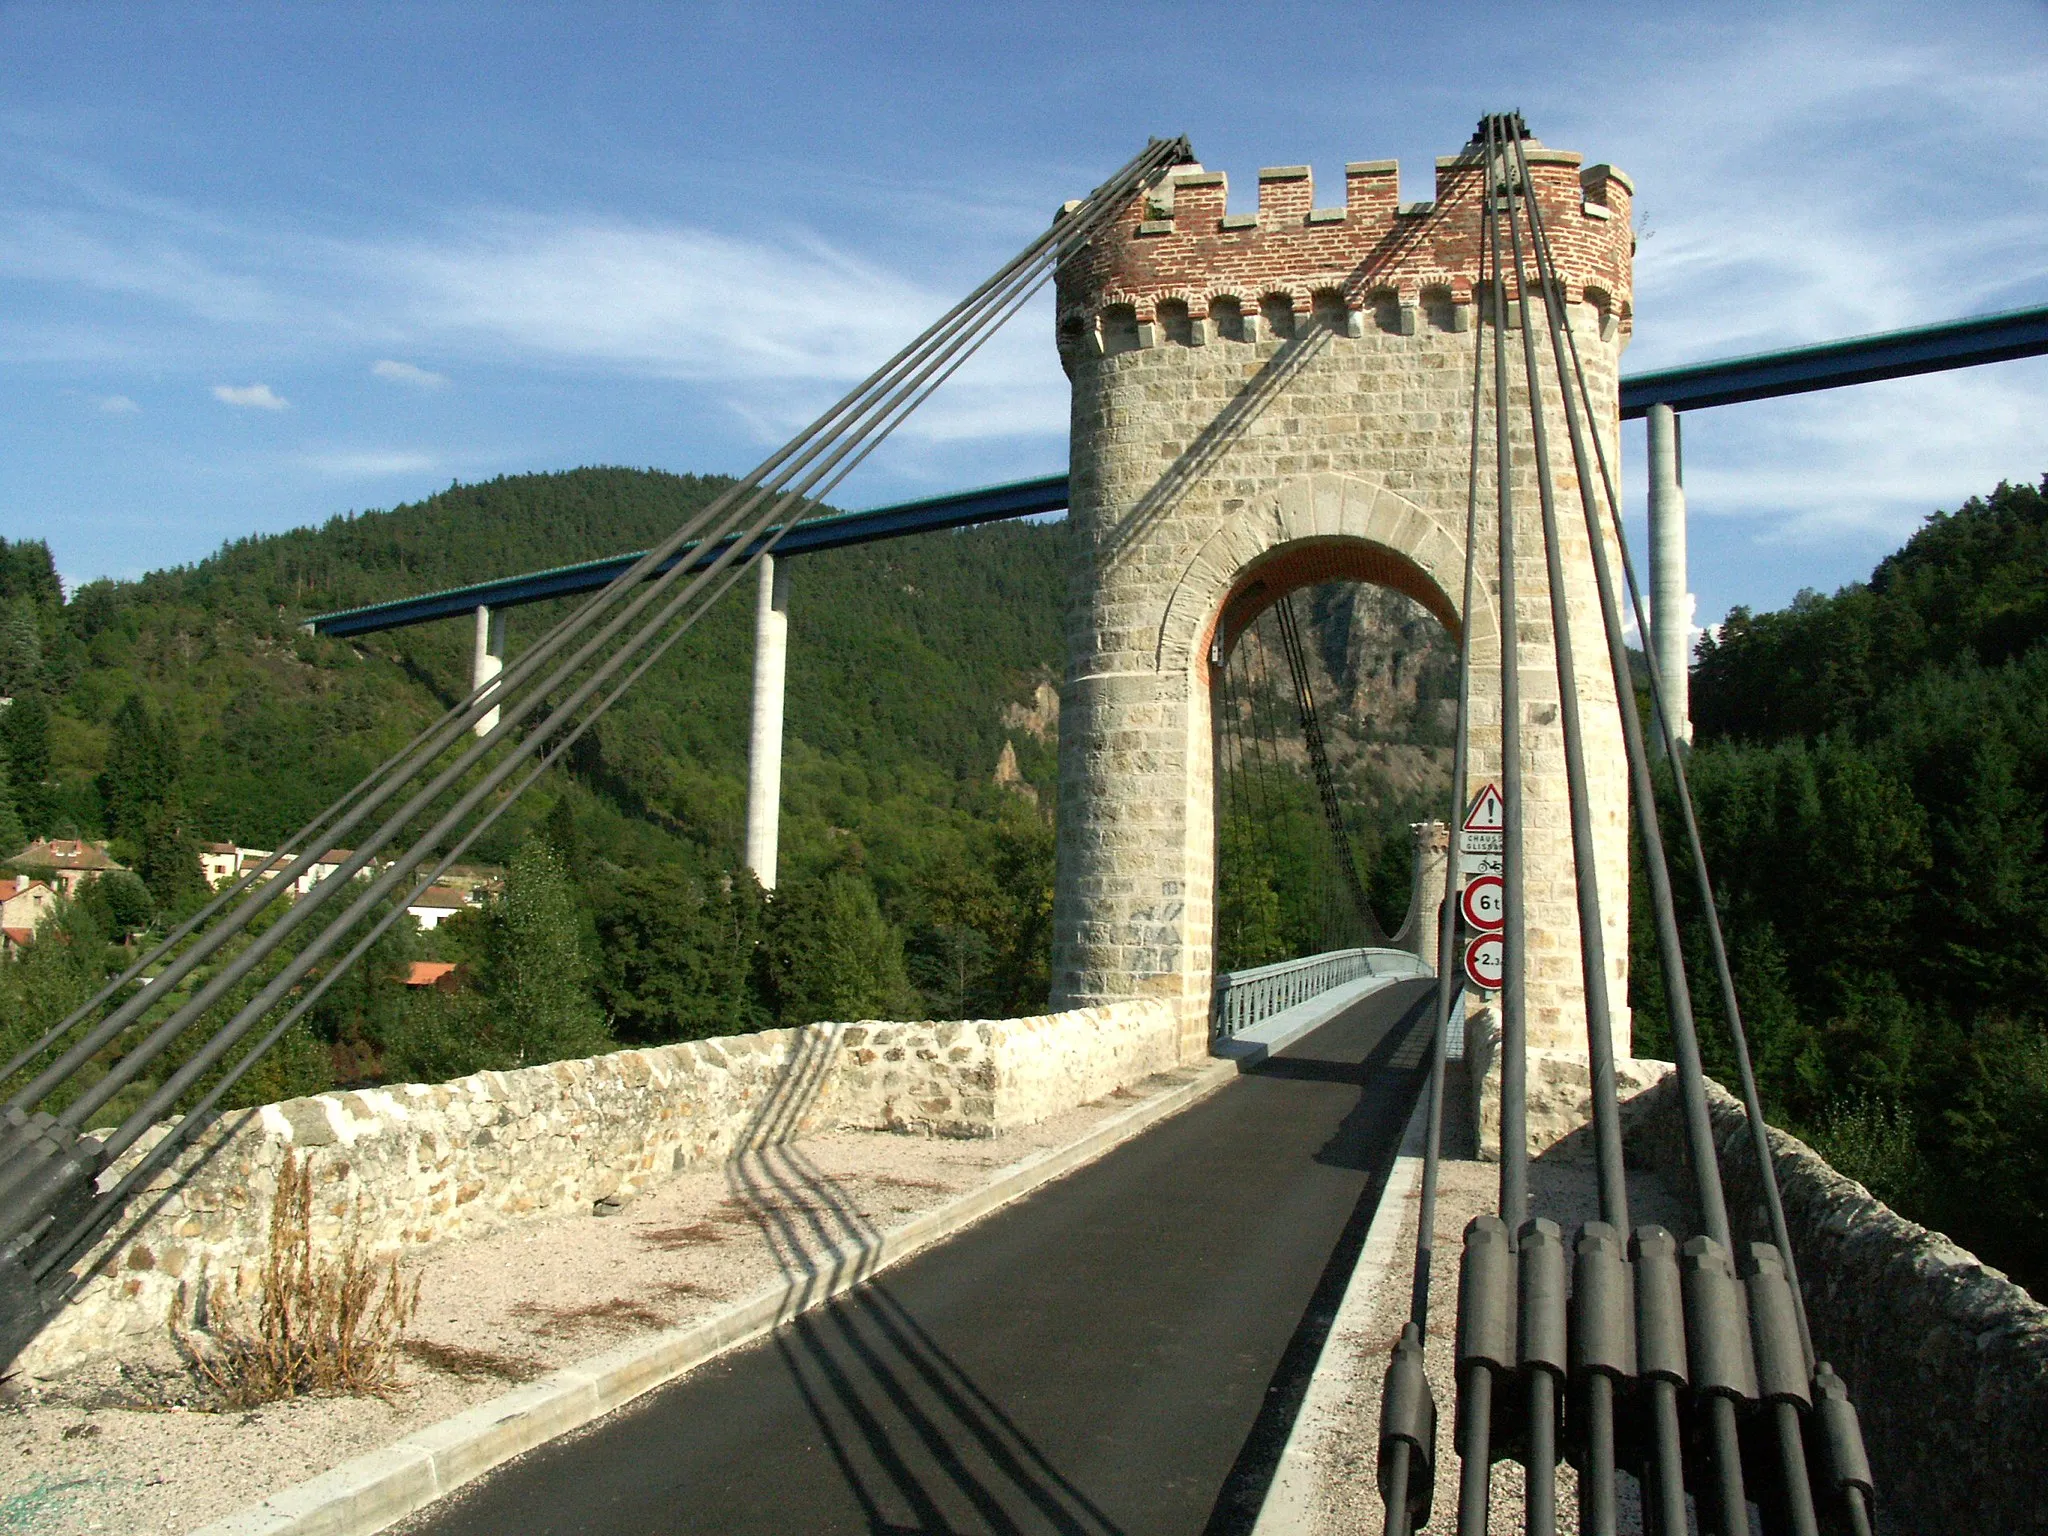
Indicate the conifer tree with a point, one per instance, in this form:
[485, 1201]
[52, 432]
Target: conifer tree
[25, 735]
[538, 981]
[834, 956]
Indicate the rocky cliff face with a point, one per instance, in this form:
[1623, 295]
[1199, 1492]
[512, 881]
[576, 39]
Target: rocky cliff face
[1384, 665]
[1384, 675]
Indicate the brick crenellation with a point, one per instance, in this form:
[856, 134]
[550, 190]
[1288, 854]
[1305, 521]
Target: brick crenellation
[1178, 267]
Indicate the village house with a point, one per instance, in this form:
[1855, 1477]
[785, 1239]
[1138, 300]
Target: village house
[439, 975]
[219, 863]
[67, 861]
[438, 903]
[24, 904]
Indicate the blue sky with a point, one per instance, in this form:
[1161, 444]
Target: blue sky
[262, 264]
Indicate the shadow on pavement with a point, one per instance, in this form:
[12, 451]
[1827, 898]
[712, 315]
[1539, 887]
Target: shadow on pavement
[922, 1447]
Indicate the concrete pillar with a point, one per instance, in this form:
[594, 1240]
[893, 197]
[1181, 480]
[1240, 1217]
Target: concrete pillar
[764, 746]
[1670, 643]
[488, 660]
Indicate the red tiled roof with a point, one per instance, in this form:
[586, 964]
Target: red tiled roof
[424, 973]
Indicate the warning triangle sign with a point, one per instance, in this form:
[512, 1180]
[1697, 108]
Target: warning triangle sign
[1489, 811]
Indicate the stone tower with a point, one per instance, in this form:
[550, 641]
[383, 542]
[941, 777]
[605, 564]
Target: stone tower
[1263, 401]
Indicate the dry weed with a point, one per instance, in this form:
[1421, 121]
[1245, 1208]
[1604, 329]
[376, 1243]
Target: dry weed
[466, 1364]
[673, 1238]
[324, 1323]
[621, 1314]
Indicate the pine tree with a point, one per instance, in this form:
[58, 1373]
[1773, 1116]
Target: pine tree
[538, 981]
[142, 772]
[833, 955]
[13, 833]
[169, 861]
[25, 735]
[21, 648]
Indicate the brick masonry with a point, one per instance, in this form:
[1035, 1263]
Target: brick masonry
[1263, 402]
[414, 1165]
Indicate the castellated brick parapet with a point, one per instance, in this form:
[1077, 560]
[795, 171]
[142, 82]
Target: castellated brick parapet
[1178, 266]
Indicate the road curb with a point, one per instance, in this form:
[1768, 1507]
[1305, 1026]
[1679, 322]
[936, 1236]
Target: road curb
[375, 1491]
[1288, 1509]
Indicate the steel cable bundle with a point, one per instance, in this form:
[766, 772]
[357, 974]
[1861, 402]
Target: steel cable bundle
[428, 803]
[1689, 1365]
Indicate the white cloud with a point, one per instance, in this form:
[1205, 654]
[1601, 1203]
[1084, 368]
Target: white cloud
[259, 397]
[369, 464]
[116, 405]
[684, 303]
[408, 373]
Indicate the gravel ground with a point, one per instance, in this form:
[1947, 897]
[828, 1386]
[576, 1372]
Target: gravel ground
[133, 1445]
[1343, 1452]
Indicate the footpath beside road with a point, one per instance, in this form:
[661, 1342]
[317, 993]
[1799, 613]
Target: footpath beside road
[1121, 1351]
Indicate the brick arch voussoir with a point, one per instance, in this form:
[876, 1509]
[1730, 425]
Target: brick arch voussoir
[1318, 527]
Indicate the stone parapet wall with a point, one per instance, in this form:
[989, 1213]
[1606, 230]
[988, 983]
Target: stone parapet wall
[1946, 1359]
[415, 1164]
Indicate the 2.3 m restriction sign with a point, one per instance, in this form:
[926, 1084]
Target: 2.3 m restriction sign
[1486, 961]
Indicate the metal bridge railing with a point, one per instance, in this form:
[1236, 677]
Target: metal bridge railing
[1244, 998]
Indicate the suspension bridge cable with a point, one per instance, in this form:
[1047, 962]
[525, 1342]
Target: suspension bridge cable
[1794, 1487]
[224, 1040]
[48, 1159]
[1408, 1409]
[1319, 767]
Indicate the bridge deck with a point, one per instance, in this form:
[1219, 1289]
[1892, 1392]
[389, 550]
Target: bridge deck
[1121, 1352]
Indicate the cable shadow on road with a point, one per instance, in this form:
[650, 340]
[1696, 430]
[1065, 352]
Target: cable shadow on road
[923, 1448]
[1368, 1139]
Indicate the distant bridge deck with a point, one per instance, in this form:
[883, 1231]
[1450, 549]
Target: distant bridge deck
[1728, 381]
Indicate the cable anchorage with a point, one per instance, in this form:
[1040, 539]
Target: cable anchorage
[1674, 1364]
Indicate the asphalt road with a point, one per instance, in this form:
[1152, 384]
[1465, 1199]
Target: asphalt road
[1120, 1352]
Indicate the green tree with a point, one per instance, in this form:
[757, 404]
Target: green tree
[25, 733]
[169, 860]
[536, 979]
[679, 954]
[143, 772]
[62, 966]
[13, 831]
[120, 904]
[21, 648]
[832, 955]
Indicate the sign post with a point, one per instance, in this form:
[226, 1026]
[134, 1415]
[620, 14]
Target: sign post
[1482, 844]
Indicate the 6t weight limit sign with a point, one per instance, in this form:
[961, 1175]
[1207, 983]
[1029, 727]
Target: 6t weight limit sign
[1486, 902]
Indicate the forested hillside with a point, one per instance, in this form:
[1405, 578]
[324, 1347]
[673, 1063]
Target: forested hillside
[1872, 771]
[919, 784]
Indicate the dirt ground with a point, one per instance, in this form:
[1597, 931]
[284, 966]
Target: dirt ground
[135, 1445]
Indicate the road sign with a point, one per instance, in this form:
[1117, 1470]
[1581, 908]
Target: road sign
[1486, 903]
[1489, 813]
[1485, 823]
[1486, 961]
